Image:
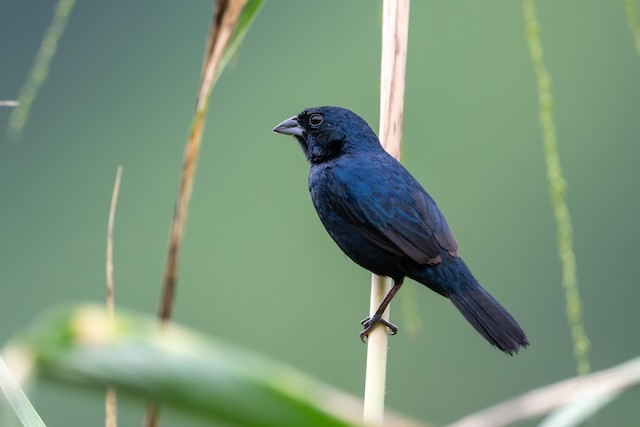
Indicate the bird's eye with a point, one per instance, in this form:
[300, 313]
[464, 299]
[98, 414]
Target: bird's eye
[316, 120]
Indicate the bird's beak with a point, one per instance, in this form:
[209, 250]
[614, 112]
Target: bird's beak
[289, 127]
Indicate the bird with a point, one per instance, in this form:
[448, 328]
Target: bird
[386, 222]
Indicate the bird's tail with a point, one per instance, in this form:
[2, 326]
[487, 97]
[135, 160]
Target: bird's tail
[489, 318]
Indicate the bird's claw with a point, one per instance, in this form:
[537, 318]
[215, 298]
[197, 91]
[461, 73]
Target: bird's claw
[370, 322]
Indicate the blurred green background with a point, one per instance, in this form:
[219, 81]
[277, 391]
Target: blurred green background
[258, 269]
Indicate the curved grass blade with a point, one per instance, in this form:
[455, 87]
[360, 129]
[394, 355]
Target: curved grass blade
[247, 17]
[40, 70]
[576, 413]
[588, 392]
[18, 399]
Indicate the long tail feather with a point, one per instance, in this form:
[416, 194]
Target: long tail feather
[489, 318]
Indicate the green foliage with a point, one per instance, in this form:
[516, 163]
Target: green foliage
[177, 367]
[557, 192]
[247, 16]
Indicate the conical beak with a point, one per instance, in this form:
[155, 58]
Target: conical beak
[289, 127]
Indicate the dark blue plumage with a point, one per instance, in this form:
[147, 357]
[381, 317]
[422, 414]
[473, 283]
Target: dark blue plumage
[383, 219]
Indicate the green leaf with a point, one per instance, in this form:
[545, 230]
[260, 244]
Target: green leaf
[247, 17]
[184, 369]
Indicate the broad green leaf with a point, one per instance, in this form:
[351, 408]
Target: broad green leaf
[184, 369]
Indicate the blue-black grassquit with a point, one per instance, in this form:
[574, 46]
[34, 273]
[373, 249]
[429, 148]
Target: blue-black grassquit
[383, 219]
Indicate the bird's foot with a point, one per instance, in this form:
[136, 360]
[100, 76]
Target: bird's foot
[370, 322]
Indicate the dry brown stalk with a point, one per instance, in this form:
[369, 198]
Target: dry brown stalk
[224, 20]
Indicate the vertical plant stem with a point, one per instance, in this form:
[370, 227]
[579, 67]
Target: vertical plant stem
[395, 31]
[376, 368]
[111, 408]
[40, 70]
[557, 190]
[395, 28]
[631, 8]
[111, 404]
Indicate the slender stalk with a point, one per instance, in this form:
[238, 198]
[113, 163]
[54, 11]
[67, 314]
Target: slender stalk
[111, 408]
[111, 404]
[557, 190]
[226, 15]
[631, 8]
[395, 28]
[9, 103]
[110, 227]
[376, 369]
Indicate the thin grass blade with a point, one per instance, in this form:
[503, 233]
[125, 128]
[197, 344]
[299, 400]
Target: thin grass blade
[578, 412]
[18, 399]
[40, 71]
[111, 398]
[247, 16]
[594, 387]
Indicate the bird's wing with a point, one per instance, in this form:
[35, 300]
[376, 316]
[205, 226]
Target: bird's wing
[400, 218]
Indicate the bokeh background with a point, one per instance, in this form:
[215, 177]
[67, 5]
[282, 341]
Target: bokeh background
[258, 268]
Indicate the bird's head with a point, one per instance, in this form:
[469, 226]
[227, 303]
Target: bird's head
[325, 133]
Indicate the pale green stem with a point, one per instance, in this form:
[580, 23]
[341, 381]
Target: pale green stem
[557, 190]
[376, 369]
[40, 70]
